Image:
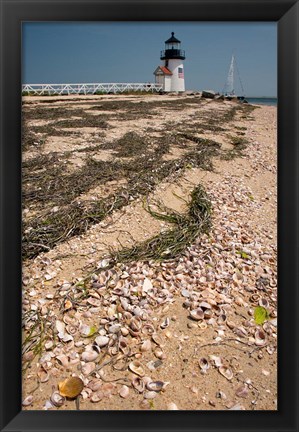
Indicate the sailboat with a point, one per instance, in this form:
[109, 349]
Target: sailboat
[229, 90]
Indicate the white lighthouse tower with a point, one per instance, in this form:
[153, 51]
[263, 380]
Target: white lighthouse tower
[171, 74]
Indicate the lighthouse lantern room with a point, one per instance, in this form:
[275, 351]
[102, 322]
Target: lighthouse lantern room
[171, 74]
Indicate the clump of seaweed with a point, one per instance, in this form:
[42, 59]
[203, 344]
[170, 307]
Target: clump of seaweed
[171, 243]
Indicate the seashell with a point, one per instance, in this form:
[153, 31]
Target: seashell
[88, 368]
[71, 387]
[57, 399]
[217, 360]
[254, 298]
[242, 391]
[185, 293]
[157, 339]
[95, 384]
[226, 372]
[159, 353]
[146, 346]
[149, 394]
[109, 389]
[115, 328]
[264, 302]
[237, 407]
[270, 349]
[101, 341]
[145, 404]
[28, 356]
[67, 338]
[208, 313]
[202, 325]
[60, 327]
[171, 406]
[197, 314]
[240, 331]
[68, 305]
[138, 384]
[104, 263]
[137, 368]
[97, 397]
[124, 331]
[148, 329]
[135, 324]
[204, 305]
[48, 405]
[63, 359]
[123, 346]
[165, 323]
[238, 278]
[124, 391]
[89, 356]
[71, 329]
[204, 365]
[94, 301]
[230, 324]
[86, 330]
[28, 400]
[43, 375]
[260, 338]
[156, 386]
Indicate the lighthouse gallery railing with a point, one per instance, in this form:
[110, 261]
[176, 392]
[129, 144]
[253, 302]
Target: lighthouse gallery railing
[92, 88]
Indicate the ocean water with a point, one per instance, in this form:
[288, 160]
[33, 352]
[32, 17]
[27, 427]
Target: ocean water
[262, 101]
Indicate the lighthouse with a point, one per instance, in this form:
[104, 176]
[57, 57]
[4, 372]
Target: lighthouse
[171, 74]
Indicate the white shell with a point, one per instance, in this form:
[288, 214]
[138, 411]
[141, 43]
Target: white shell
[149, 394]
[226, 372]
[28, 400]
[137, 368]
[89, 356]
[101, 341]
[171, 406]
[124, 391]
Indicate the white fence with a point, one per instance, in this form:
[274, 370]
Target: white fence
[68, 89]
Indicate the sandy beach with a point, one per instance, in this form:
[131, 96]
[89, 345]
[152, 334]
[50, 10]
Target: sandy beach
[149, 242]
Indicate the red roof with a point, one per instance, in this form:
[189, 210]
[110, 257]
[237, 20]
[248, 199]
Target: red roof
[165, 70]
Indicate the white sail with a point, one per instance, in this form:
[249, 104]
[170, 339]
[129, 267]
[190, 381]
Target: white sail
[229, 88]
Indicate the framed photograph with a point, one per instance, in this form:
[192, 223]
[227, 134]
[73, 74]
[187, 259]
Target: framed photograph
[149, 215]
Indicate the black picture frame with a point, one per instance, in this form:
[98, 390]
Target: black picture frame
[13, 13]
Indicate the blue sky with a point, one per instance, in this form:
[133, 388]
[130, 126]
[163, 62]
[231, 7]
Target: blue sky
[79, 52]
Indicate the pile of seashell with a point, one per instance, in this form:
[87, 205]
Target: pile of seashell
[118, 319]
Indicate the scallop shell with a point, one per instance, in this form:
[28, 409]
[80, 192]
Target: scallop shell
[124, 391]
[71, 387]
[226, 372]
[137, 368]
